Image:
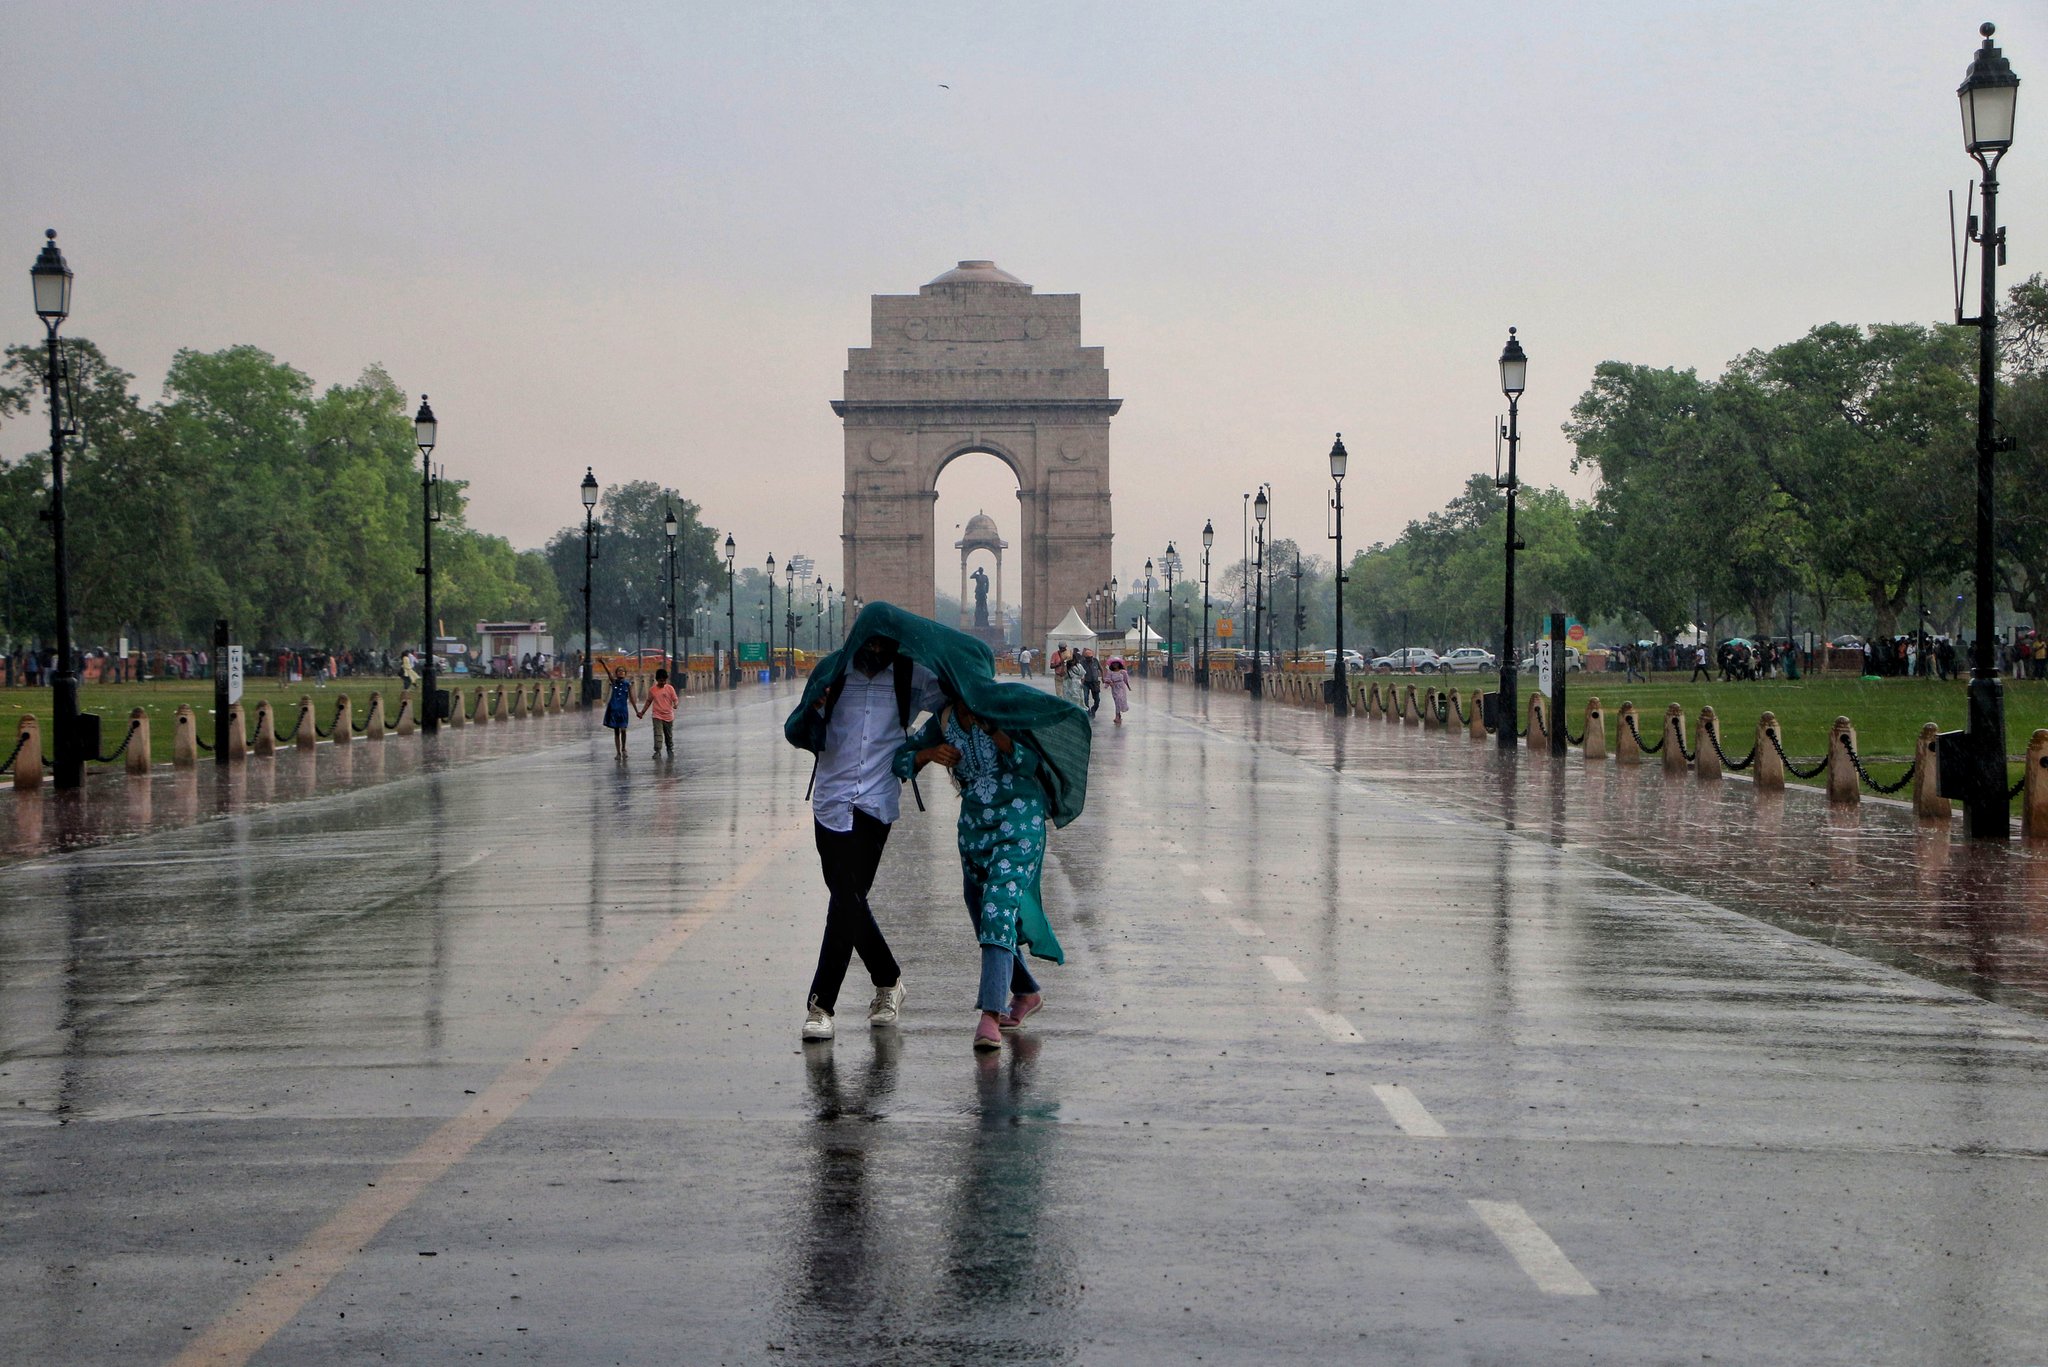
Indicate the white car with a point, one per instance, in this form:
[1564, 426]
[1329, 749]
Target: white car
[1469, 660]
[1354, 663]
[1419, 659]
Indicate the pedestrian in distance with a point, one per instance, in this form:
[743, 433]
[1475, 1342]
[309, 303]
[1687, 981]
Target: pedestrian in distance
[854, 714]
[1632, 656]
[1024, 663]
[1072, 685]
[1118, 677]
[618, 709]
[661, 701]
[1091, 679]
[1699, 665]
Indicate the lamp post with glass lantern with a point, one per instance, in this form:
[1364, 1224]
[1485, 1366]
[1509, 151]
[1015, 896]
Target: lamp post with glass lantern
[818, 617]
[789, 619]
[681, 667]
[769, 625]
[1144, 668]
[732, 626]
[1170, 562]
[1208, 540]
[589, 558]
[51, 282]
[424, 428]
[1989, 95]
[1340, 459]
[1256, 683]
[1514, 375]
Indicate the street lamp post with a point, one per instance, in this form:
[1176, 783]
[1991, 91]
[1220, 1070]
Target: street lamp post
[818, 618]
[424, 427]
[1989, 95]
[1340, 700]
[1112, 603]
[668, 524]
[589, 558]
[1514, 373]
[1144, 668]
[1296, 576]
[769, 628]
[1208, 540]
[732, 632]
[1171, 563]
[789, 618]
[1256, 684]
[51, 280]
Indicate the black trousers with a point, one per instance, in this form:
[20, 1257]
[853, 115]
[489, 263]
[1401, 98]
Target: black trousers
[850, 859]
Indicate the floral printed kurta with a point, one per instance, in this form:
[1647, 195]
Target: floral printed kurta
[1001, 832]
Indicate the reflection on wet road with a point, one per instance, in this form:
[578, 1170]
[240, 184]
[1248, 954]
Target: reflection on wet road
[1359, 1055]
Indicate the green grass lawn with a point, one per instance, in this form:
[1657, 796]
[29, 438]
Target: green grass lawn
[113, 702]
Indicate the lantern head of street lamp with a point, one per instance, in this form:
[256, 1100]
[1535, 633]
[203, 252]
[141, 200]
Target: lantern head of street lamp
[730, 551]
[1208, 535]
[1514, 368]
[771, 565]
[668, 524]
[1259, 506]
[1339, 458]
[1988, 95]
[424, 426]
[589, 487]
[1148, 573]
[52, 281]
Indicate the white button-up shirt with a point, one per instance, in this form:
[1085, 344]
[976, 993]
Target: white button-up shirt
[855, 767]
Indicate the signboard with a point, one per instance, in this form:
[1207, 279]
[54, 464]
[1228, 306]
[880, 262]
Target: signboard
[1575, 633]
[1225, 628]
[1543, 666]
[234, 675]
[753, 652]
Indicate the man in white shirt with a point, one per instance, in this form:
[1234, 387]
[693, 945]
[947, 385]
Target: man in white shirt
[855, 798]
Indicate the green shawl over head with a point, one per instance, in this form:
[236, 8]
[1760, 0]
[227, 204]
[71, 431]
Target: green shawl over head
[1057, 730]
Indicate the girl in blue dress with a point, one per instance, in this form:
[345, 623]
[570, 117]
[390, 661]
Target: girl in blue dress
[618, 710]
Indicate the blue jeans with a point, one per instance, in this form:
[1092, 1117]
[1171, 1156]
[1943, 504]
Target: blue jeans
[1002, 971]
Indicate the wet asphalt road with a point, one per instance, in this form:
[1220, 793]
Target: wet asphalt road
[501, 1062]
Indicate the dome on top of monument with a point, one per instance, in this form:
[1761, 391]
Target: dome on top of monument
[981, 524]
[978, 273]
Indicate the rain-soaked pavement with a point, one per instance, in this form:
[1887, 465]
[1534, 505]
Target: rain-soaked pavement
[1358, 1056]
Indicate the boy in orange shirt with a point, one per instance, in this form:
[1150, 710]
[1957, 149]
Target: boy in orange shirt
[661, 701]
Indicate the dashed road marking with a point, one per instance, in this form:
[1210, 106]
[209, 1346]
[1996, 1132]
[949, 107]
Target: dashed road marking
[1217, 895]
[1282, 968]
[1242, 926]
[1536, 1252]
[1333, 1025]
[1409, 1114]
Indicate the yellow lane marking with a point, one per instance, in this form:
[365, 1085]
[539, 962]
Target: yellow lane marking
[277, 1299]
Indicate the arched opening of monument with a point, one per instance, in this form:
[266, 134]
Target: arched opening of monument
[977, 554]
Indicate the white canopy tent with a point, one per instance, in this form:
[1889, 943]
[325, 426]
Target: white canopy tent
[1072, 632]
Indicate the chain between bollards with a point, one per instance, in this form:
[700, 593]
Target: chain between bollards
[1792, 768]
[122, 749]
[15, 753]
[1738, 765]
[1885, 788]
[1630, 718]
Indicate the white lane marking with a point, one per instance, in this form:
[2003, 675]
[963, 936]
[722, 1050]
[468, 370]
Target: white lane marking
[1282, 968]
[1242, 926]
[1535, 1251]
[1217, 895]
[1333, 1025]
[1408, 1114]
[1191, 870]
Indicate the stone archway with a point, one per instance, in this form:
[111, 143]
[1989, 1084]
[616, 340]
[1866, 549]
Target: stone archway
[976, 362]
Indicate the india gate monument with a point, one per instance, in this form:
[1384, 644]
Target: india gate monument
[976, 362]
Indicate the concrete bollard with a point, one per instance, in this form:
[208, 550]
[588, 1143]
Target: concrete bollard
[455, 716]
[1475, 727]
[1673, 753]
[28, 759]
[344, 720]
[1596, 730]
[498, 703]
[1928, 803]
[373, 729]
[308, 732]
[405, 725]
[1841, 772]
[1537, 732]
[1706, 740]
[265, 741]
[184, 739]
[480, 707]
[515, 702]
[237, 742]
[1769, 768]
[549, 702]
[1626, 749]
[1412, 713]
[2034, 789]
[138, 744]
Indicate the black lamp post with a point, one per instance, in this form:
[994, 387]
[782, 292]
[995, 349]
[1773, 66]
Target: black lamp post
[818, 617]
[1256, 684]
[589, 559]
[51, 280]
[1340, 700]
[1144, 668]
[1514, 374]
[1171, 564]
[770, 625]
[424, 427]
[789, 618]
[732, 634]
[1989, 95]
[669, 525]
[1208, 540]
[1112, 602]
[1296, 576]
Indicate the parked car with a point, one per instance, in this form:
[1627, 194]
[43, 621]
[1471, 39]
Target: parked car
[1354, 663]
[1469, 660]
[1574, 659]
[1416, 659]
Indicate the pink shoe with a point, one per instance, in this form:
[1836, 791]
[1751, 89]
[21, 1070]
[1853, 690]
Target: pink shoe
[1023, 1005]
[986, 1035]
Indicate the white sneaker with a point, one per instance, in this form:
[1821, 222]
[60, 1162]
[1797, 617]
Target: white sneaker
[817, 1022]
[882, 1010]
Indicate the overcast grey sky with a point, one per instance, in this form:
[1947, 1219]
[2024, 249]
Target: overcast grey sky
[642, 237]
